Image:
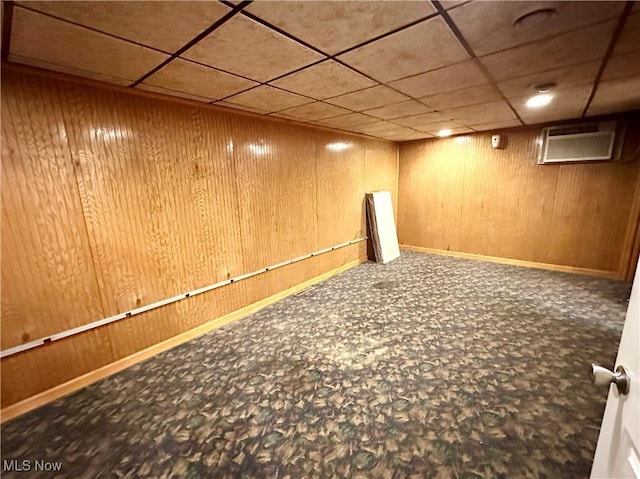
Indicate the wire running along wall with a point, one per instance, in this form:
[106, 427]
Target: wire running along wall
[102, 322]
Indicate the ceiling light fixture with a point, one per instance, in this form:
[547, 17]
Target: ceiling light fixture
[444, 133]
[543, 97]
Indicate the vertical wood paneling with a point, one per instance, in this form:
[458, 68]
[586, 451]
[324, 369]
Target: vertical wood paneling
[39, 369]
[48, 278]
[275, 171]
[591, 214]
[499, 186]
[158, 185]
[431, 186]
[340, 176]
[461, 195]
[381, 168]
[113, 200]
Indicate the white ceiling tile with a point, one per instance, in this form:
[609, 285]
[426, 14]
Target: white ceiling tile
[563, 78]
[579, 46]
[629, 39]
[315, 111]
[399, 110]
[288, 117]
[40, 40]
[368, 99]
[333, 27]
[246, 48]
[489, 26]
[410, 136]
[324, 80]
[567, 104]
[614, 96]
[188, 77]
[227, 104]
[167, 91]
[420, 120]
[496, 125]
[463, 97]
[450, 78]
[352, 119]
[375, 128]
[267, 98]
[420, 48]
[435, 128]
[620, 66]
[167, 26]
[481, 113]
[449, 4]
[454, 131]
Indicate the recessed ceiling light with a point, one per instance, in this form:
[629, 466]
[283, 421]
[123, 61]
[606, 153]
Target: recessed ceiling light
[443, 133]
[534, 19]
[539, 100]
[543, 97]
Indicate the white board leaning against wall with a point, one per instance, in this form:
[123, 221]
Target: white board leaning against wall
[382, 226]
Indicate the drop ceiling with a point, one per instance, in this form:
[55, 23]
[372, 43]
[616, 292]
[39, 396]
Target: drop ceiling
[391, 69]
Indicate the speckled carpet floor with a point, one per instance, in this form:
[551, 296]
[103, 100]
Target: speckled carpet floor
[426, 367]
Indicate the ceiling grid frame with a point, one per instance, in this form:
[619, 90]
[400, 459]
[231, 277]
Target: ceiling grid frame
[390, 126]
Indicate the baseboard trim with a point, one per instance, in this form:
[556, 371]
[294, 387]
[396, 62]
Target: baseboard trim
[75, 384]
[516, 262]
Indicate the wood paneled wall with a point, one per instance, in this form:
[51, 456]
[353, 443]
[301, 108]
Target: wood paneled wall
[460, 195]
[113, 200]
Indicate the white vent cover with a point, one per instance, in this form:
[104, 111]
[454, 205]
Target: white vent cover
[582, 142]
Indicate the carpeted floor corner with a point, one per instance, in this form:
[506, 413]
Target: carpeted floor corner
[428, 367]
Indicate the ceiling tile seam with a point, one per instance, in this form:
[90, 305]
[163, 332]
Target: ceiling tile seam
[232, 5]
[192, 42]
[284, 33]
[311, 103]
[267, 24]
[315, 100]
[355, 91]
[386, 85]
[334, 56]
[267, 83]
[7, 20]
[626, 11]
[551, 37]
[458, 6]
[91, 29]
[311, 99]
[433, 70]
[176, 91]
[387, 34]
[397, 103]
[393, 88]
[297, 70]
[548, 70]
[463, 41]
[218, 69]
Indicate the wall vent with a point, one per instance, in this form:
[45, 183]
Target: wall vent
[580, 142]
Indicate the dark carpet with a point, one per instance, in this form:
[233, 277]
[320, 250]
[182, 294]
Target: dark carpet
[428, 367]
